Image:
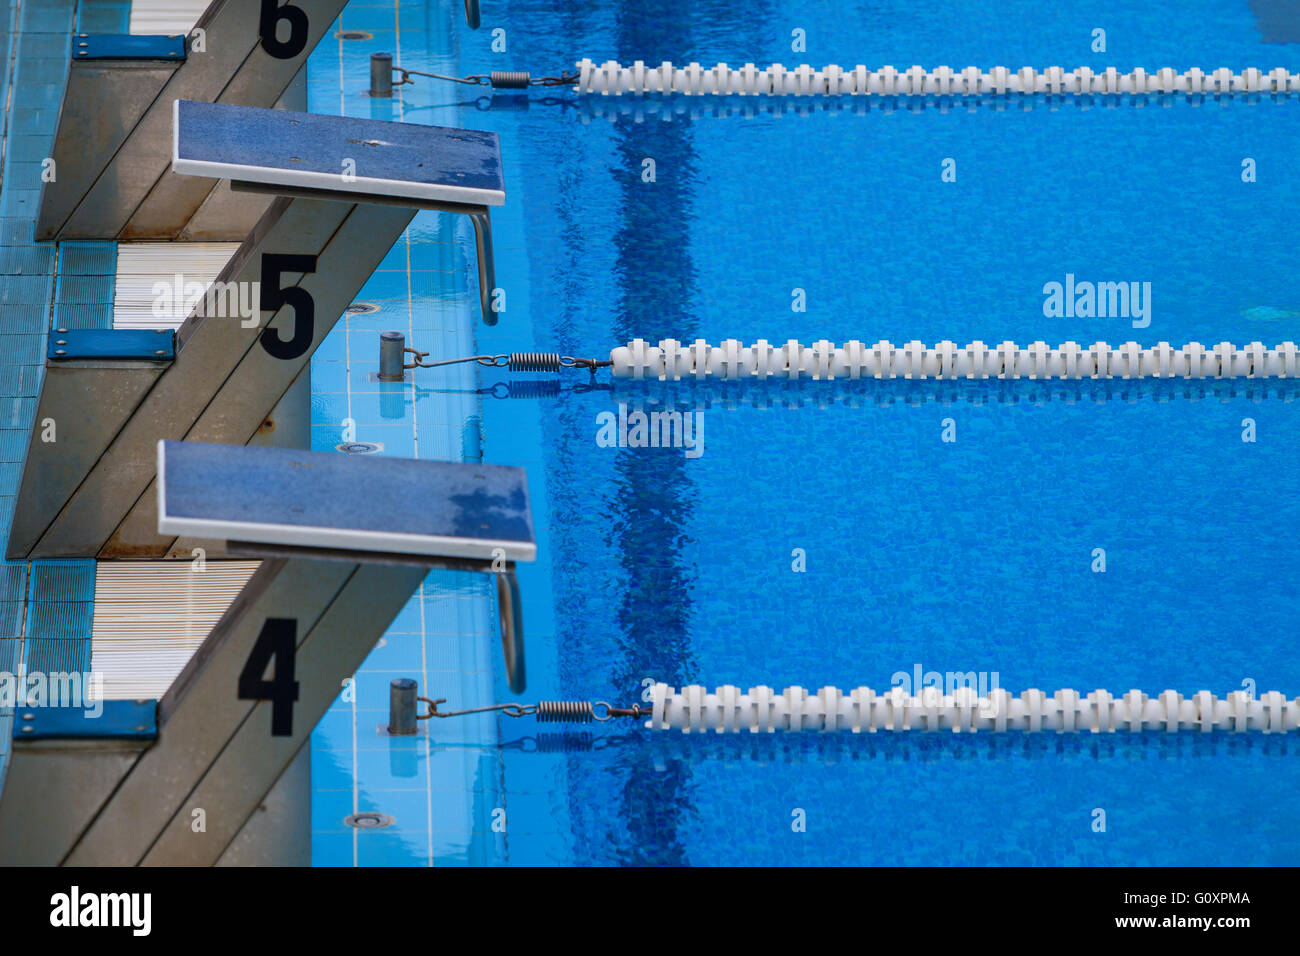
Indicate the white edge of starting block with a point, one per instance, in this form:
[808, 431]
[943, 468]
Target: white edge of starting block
[334, 539]
[305, 179]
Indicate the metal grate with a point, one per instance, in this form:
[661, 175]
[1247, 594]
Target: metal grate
[141, 266]
[150, 617]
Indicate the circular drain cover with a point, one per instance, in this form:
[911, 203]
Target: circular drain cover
[361, 308]
[354, 35]
[360, 447]
[368, 821]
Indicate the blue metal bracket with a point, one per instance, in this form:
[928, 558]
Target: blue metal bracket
[117, 720]
[138, 344]
[124, 46]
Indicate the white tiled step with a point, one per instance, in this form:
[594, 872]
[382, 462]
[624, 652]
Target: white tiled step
[165, 17]
[150, 617]
[141, 266]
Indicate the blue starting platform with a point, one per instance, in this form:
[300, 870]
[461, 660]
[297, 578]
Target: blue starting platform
[338, 154]
[335, 502]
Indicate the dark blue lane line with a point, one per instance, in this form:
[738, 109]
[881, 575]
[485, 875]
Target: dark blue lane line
[654, 278]
[1278, 21]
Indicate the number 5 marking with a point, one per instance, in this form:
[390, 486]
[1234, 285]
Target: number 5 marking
[275, 642]
[272, 297]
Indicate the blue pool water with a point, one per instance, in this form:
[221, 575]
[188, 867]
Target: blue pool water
[967, 556]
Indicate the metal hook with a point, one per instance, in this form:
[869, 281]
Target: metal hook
[510, 710]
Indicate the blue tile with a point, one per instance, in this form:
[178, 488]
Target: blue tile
[11, 471]
[388, 848]
[331, 770]
[331, 849]
[13, 580]
[25, 289]
[13, 444]
[88, 258]
[104, 16]
[11, 619]
[83, 289]
[16, 412]
[52, 16]
[328, 377]
[23, 349]
[334, 348]
[367, 408]
[14, 231]
[92, 316]
[62, 580]
[62, 620]
[26, 260]
[326, 437]
[57, 656]
[20, 380]
[329, 407]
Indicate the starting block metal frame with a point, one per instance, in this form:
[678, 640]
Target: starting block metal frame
[112, 148]
[89, 493]
[124, 791]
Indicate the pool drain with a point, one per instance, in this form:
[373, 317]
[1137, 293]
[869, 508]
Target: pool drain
[368, 821]
[354, 35]
[361, 308]
[360, 447]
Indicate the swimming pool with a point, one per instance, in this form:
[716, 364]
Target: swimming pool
[973, 555]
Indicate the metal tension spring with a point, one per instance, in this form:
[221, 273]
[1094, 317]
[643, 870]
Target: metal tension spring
[382, 82]
[393, 351]
[546, 711]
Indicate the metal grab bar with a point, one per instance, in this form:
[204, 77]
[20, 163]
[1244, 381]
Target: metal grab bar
[512, 626]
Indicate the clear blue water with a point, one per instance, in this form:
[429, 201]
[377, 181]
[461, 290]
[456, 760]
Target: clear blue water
[973, 555]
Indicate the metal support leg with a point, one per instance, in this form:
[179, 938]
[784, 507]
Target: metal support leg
[487, 272]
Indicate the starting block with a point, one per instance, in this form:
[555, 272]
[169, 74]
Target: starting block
[345, 542]
[342, 191]
[112, 149]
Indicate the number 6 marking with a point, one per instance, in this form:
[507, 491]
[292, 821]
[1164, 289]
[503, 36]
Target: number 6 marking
[272, 297]
[272, 14]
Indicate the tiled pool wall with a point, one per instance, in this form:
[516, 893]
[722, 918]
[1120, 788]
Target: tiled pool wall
[440, 789]
[45, 606]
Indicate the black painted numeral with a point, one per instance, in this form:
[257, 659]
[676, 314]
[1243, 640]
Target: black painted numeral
[272, 14]
[273, 297]
[276, 642]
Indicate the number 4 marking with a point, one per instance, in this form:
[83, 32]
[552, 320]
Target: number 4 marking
[275, 642]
